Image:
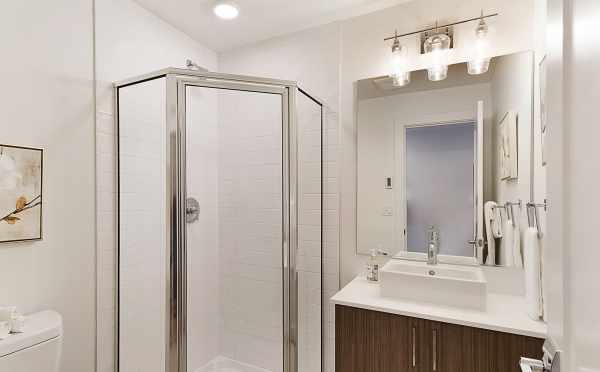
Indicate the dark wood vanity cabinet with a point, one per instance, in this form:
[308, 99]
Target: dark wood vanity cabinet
[371, 341]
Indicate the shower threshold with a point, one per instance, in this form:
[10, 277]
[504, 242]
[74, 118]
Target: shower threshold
[224, 364]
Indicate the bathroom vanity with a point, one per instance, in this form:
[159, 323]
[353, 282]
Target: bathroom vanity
[444, 191]
[378, 333]
[368, 340]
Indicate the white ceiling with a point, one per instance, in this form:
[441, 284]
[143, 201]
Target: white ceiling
[258, 19]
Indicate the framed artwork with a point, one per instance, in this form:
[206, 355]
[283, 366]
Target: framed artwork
[21, 170]
[508, 146]
[543, 108]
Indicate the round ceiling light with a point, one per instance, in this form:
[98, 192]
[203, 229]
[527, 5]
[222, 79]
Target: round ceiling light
[226, 10]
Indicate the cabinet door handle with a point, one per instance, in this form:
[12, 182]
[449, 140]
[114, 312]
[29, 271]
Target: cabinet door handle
[414, 346]
[435, 350]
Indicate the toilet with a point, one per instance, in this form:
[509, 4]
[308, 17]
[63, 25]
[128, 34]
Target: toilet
[38, 348]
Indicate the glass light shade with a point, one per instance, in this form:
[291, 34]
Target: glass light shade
[437, 73]
[400, 73]
[478, 66]
[401, 80]
[479, 62]
[436, 47]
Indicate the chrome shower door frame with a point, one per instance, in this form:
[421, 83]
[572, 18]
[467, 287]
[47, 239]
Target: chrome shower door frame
[176, 353]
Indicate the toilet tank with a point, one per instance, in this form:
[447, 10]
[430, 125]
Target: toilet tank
[38, 348]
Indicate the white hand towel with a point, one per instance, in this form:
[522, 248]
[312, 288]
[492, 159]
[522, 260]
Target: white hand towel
[489, 210]
[517, 249]
[497, 224]
[533, 283]
[507, 244]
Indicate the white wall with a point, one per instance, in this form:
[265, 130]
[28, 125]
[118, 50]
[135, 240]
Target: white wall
[512, 89]
[555, 254]
[47, 101]
[573, 181]
[581, 184]
[130, 41]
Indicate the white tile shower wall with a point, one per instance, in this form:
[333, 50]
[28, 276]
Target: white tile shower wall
[310, 57]
[142, 200]
[202, 236]
[130, 41]
[250, 228]
[309, 257]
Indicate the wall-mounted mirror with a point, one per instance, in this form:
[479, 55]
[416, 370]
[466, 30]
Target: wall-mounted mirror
[433, 153]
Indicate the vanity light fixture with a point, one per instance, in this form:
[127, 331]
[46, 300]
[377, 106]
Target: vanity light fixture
[436, 43]
[480, 61]
[400, 74]
[226, 10]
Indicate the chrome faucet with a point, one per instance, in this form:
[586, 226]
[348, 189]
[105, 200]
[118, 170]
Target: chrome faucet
[433, 246]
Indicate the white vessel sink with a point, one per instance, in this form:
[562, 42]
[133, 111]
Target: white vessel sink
[448, 285]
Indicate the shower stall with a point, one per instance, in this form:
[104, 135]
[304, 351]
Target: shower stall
[219, 224]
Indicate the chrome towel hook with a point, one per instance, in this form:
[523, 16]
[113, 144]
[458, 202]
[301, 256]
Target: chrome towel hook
[534, 219]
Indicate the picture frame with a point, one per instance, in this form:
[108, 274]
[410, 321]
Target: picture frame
[21, 193]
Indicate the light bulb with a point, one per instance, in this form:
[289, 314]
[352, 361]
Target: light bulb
[480, 59]
[226, 10]
[400, 74]
[436, 48]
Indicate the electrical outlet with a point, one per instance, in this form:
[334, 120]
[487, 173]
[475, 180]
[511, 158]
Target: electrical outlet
[388, 211]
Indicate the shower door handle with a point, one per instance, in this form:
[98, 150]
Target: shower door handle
[192, 210]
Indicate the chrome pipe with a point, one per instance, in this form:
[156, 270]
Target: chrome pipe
[442, 26]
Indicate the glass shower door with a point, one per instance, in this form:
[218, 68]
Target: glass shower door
[220, 224]
[236, 281]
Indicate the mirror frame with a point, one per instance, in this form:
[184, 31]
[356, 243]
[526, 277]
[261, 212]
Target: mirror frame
[480, 244]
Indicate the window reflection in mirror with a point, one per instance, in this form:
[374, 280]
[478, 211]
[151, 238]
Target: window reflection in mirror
[440, 189]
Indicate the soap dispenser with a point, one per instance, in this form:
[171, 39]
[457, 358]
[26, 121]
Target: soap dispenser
[373, 267]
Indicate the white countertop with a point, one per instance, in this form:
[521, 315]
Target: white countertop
[504, 313]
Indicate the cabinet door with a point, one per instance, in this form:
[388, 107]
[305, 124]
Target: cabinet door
[457, 349]
[369, 341]
[353, 341]
[419, 345]
[500, 352]
[426, 338]
[466, 349]
[390, 352]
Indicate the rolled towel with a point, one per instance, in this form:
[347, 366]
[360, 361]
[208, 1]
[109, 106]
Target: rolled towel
[497, 224]
[507, 244]
[533, 282]
[489, 210]
[517, 248]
